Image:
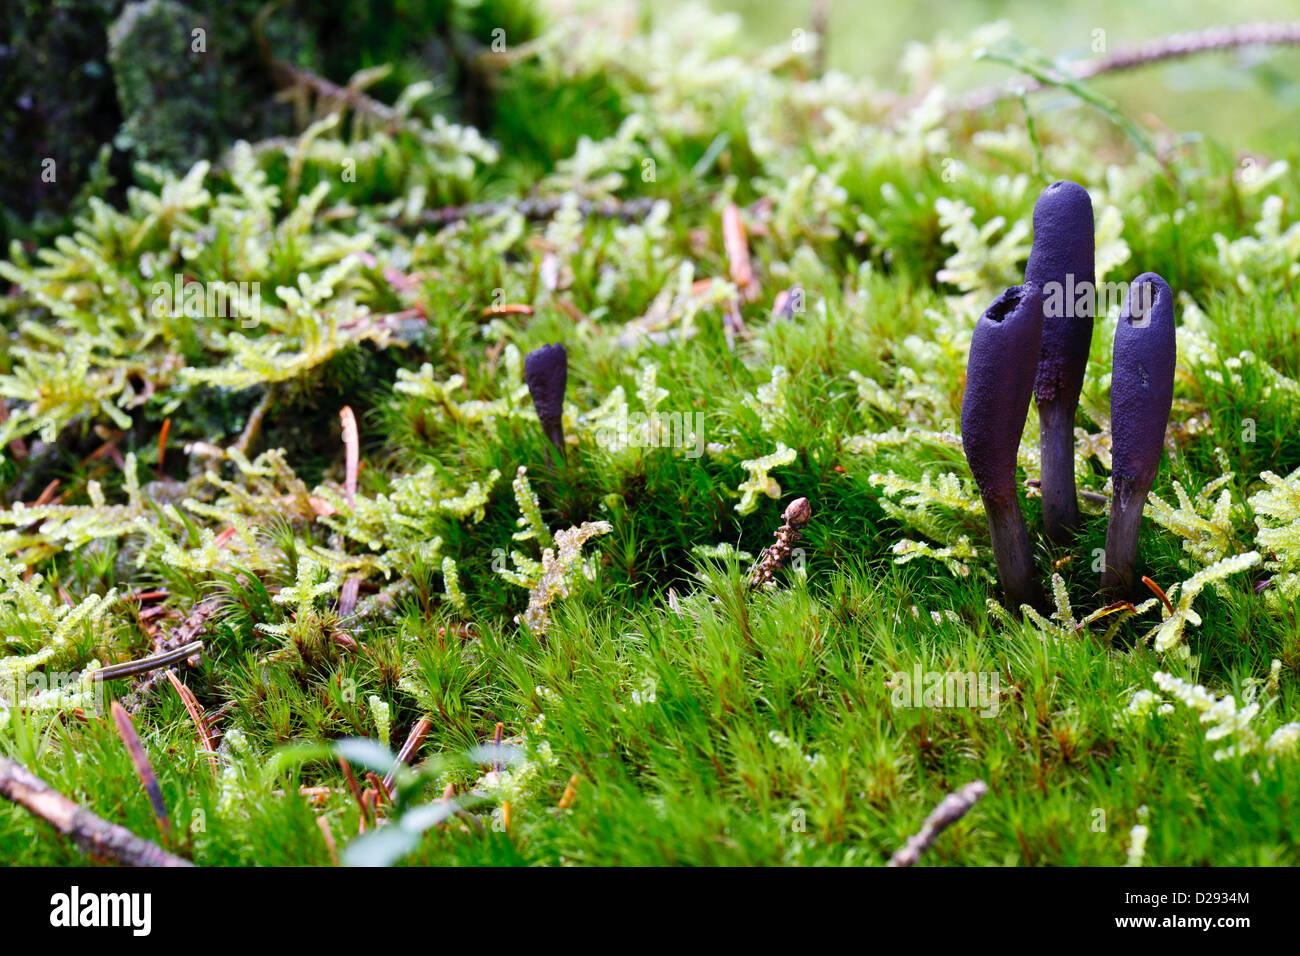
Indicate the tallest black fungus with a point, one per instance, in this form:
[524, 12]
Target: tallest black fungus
[1141, 394]
[999, 380]
[1061, 264]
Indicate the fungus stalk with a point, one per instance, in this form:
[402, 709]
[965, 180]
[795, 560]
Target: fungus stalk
[1061, 265]
[1141, 394]
[999, 381]
[546, 372]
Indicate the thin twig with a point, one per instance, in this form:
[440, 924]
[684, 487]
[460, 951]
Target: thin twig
[147, 664]
[536, 210]
[1130, 57]
[950, 809]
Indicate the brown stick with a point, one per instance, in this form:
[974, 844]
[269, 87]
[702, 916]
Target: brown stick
[93, 834]
[537, 210]
[950, 809]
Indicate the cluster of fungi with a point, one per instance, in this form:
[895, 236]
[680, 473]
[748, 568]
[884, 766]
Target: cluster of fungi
[1020, 348]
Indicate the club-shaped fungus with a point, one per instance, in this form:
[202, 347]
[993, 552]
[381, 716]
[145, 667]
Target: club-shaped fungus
[1141, 393]
[546, 372]
[999, 381]
[1061, 264]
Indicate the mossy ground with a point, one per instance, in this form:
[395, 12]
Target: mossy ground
[704, 723]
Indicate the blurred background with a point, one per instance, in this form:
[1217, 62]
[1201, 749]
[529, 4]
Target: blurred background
[1252, 94]
[95, 85]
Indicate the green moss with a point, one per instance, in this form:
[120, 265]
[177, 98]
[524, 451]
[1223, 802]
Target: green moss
[595, 603]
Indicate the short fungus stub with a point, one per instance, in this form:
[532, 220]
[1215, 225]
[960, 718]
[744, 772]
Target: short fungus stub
[546, 373]
[1141, 394]
[999, 381]
[1062, 265]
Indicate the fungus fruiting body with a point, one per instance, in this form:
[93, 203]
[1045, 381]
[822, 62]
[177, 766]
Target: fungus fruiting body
[999, 381]
[1061, 264]
[546, 372]
[1141, 394]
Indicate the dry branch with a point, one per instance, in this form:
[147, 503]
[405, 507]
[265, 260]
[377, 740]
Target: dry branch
[950, 809]
[93, 834]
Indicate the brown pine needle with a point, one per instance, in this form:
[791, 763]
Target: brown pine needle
[47, 496]
[356, 792]
[328, 835]
[413, 741]
[507, 308]
[352, 453]
[196, 715]
[736, 244]
[570, 793]
[1158, 592]
[162, 443]
[143, 768]
[380, 791]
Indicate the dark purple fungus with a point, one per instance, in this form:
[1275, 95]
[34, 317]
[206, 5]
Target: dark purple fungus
[1061, 264]
[999, 381]
[546, 372]
[1141, 393]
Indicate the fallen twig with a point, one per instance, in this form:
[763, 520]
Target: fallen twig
[536, 210]
[193, 625]
[1136, 55]
[147, 664]
[93, 834]
[950, 809]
